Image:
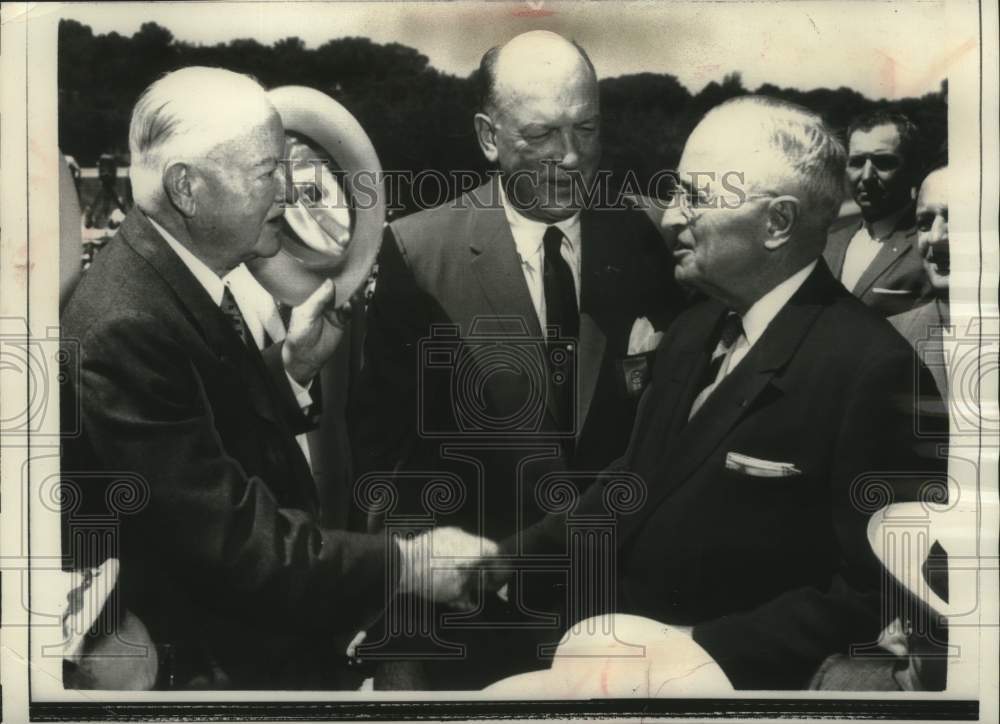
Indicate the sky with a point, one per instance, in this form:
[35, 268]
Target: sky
[884, 49]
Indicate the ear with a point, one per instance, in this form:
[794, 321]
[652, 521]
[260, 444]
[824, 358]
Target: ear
[782, 216]
[486, 136]
[178, 185]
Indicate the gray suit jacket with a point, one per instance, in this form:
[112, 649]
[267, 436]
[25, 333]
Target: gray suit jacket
[923, 329]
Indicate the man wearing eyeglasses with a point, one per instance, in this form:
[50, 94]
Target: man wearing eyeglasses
[780, 412]
[874, 254]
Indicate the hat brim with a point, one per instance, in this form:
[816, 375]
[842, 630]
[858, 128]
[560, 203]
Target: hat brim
[297, 270]
[902, 535]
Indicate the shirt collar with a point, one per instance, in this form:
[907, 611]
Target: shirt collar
[886, 225]
[528, 233]
[205, 276]
[765, 309]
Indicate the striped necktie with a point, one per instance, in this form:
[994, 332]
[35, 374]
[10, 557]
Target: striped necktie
[232, 311]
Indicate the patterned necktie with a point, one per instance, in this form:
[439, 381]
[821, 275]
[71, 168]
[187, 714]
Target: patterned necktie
[560, 289]
[732, 330]
[232, 311]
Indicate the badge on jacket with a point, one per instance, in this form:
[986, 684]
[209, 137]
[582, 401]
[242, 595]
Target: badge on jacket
[636, 368]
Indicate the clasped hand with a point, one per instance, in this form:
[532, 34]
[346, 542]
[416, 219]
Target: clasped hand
[444, 564]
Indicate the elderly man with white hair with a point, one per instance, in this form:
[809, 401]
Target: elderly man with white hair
[221, 553]
[780, 417]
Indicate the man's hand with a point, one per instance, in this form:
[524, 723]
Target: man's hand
[314, 331]
[443, 565]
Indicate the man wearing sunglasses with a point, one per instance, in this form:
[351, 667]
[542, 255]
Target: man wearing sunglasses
[874, 254]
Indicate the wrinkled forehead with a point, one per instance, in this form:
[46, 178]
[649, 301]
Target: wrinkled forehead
[253, 141]
[716, 151]
[540, 100]
[544, 73]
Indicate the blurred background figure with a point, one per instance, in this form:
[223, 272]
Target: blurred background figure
[105, 213]
[923, 326]
[874, 253]
[74, 170]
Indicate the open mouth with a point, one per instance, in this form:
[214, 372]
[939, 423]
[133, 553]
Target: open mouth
[940, 260]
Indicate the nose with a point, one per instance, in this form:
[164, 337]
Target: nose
[939, 231]
[568, 152]
[673, 218]
[867, 171]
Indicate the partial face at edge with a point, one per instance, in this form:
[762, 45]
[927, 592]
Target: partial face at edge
[932, 229]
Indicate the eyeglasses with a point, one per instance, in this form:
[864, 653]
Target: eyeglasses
[692, 205]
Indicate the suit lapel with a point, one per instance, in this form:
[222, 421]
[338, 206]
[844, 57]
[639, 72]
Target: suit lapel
[690, 444]
[592, 297]
[495, 263]
[199, 308]
[897, 244]
[589, 359]
[837, 246]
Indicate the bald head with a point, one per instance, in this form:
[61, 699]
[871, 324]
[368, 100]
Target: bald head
[532, 64]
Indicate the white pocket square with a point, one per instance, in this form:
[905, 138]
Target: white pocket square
[643, 338]
[759, 468]
[883, 290]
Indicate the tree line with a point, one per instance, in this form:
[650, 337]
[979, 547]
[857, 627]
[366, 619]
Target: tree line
[417, 117]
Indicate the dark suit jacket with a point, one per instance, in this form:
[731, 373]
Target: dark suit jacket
[449, 266]
[223, 560]
[773, 573]
[923, 328]
[895, 281]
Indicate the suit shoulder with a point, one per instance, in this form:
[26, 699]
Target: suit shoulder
[917, 319]
[440, 228]
[844, 225]
[861, 332]
[119, 283]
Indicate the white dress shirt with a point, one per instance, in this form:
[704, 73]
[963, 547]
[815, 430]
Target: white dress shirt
[759, 317]
[256, 305]
[754, 323]
[864, 247]
[528, 235]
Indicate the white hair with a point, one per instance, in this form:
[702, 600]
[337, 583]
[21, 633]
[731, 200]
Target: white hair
[807, 151]
[183, 116]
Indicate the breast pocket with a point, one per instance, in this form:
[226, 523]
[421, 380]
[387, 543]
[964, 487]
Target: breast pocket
[756, 467]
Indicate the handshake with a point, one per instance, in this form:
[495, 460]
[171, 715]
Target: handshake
[444, 564]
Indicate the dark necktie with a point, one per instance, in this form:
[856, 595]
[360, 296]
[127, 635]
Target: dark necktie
[732, 330]
[232, 311]
[560, 289]
[561, 311]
